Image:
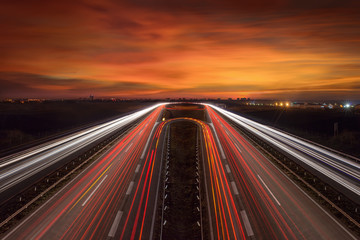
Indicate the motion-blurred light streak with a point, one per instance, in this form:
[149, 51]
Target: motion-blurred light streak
[343, 171]
[16, 168]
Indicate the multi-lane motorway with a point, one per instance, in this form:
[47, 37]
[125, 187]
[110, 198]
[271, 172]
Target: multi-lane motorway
[18, 171]
[117, 195]
[333, 168]
[275, 206]
[89, 206]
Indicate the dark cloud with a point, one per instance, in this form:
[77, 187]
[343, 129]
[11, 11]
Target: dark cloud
[224, 88]
[152, 46]
[241, 6]
[121, 24]
[34, 85]
[319, 95]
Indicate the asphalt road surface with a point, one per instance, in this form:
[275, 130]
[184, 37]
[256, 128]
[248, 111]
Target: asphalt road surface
[88, 206]
[275, 207]
[116, 196]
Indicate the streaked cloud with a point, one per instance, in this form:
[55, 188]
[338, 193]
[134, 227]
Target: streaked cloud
[34, 85]
[267, 48]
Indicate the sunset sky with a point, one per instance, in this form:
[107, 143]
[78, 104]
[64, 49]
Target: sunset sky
[282, 49]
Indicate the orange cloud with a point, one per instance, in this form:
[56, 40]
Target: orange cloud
[277, 49]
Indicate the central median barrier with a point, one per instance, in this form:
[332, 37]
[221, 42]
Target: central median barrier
[181, 214]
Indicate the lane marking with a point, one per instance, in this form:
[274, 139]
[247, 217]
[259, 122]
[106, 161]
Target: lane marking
[227, 168]
[269, 190]
[94, 191]
[90, 187]
[148, 141]
[141, 131]
[128, 147]
[322, 209]
[246, 221]
[234, 143]
[218, 141]
[115, 224]
[52, 198]
[238, 148]
[130, 188]
[236, 192]
[137, 168]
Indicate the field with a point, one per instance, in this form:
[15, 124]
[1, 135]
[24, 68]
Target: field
[313, 124]
[21, 124]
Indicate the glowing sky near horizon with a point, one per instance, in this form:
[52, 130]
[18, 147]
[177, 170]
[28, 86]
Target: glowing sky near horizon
[284, 49]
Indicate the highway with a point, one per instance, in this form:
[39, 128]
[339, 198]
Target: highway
[89, 206]
[223, 213]
[18, 171]
[275, 206]
[139, 217]
[338, 171]
[117, 196]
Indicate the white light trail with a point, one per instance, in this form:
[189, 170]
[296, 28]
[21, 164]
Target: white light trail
[336, 167]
